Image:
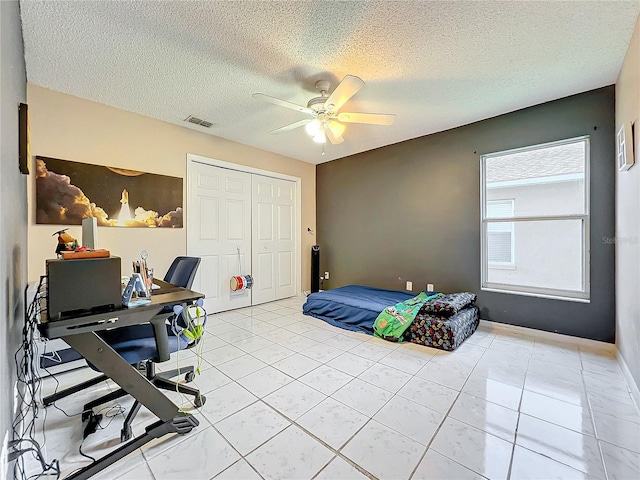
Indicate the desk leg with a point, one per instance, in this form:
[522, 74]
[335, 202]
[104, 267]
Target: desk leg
[100, 354]
[156, 430]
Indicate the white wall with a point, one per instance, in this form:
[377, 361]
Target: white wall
[547, 254]
[628, 216]
[13, 204]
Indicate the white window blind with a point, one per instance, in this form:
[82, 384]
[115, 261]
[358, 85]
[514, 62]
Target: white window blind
[500, 235]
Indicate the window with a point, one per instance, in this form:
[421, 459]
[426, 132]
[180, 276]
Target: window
[500, 240]
[535, 220]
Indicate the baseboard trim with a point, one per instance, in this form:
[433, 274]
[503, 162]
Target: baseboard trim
[635, 392]
[550, 336]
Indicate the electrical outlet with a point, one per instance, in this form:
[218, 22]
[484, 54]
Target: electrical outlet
[326, 275]
[430, 287]
[409, 286]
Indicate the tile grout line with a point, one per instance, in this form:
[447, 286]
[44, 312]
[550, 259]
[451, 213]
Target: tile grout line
[337, 452]
[522, 388]
[447, 415]
[593, 418]
[515, 433]
[293, 422]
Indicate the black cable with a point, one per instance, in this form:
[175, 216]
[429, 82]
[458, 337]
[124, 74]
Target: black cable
[24, 426]
[56, 472]
[111, 413]
[55, 391]
[29, 383]
[23, 371]
[84, 454]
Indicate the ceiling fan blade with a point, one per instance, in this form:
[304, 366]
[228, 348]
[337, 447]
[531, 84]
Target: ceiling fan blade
[335, 140]
[370, 118]
[291, 126]
[283, 103]
[346, 89]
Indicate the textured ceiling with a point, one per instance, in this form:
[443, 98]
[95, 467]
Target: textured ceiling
[436, 65]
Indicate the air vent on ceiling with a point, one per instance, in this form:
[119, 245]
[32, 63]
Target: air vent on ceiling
[198, 121]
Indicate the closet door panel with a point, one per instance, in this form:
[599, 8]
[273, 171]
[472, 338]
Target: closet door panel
[236, 221]
[263, 240]
[218, 225]
[256, 215]
[285, 270]
[273, 240]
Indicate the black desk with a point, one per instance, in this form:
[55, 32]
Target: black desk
[79, 333]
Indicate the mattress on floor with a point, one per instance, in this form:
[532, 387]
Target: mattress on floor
[444, 333]
[353, 307]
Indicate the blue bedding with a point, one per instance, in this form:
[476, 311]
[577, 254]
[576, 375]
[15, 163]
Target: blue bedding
[352, 307]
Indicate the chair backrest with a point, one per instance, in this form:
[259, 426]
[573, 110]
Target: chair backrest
[182, 271]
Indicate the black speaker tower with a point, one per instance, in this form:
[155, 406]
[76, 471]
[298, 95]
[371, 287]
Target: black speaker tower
[315, 268]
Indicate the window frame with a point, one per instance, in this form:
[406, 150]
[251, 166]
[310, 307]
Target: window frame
[582, 295]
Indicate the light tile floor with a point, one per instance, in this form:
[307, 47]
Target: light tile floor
[291, 397]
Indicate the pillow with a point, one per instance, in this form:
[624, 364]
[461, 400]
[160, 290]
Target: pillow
[448, 304]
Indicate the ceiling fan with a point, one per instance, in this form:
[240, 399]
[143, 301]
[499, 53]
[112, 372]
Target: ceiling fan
[328, 121]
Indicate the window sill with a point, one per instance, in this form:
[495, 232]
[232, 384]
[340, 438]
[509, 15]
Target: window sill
[535, 294]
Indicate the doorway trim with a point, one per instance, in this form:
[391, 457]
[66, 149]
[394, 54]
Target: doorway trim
[194, 158]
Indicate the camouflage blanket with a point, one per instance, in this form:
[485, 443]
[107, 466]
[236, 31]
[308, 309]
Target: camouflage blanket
[446, 333]
[449, 304]
[394, 320]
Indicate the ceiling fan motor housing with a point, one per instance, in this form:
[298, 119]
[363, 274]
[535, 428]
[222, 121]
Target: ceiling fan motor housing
[317, 104]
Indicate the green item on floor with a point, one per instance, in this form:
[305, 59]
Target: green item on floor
[394, 320]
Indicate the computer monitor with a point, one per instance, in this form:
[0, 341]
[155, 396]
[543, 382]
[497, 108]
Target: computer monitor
[90, 232]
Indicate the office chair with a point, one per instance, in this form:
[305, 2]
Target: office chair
[139, 346]
[182, 271]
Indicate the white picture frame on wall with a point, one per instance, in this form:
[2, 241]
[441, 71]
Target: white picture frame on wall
[624, 147]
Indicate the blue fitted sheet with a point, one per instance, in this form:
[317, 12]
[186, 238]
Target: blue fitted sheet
[352, 307]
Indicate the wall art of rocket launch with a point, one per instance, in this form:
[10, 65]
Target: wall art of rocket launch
[67, 192]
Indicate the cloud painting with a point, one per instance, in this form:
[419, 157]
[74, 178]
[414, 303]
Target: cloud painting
[68, 192]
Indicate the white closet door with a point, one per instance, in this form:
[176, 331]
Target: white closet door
[273, 248]
[218, 223]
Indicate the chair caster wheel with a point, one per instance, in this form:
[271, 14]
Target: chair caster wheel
[189, 377]
[125, 434]
[200, 400]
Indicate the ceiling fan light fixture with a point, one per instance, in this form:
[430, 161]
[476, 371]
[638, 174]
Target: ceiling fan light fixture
[313, 127]
[336, 127]
[328, 122]
[320, 137]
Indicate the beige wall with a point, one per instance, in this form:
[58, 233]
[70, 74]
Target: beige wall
[71, 128]
[628, 216]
